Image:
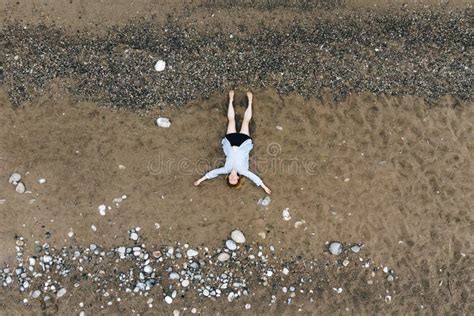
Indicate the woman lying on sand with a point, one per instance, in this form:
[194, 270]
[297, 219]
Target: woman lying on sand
[237, 147]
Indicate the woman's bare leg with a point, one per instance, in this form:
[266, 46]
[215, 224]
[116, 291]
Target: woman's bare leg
[247, 116]
[231, 114]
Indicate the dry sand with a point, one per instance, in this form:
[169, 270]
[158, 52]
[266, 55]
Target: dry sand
[392, 173]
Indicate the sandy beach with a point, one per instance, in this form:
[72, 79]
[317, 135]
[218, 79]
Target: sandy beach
[362, 128]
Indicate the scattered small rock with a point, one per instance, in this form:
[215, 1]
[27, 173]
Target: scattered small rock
[163, 122]
[160, 65]
[335, 248]
[237, 236]
[14, 178]
[20, 188]
[286, 214]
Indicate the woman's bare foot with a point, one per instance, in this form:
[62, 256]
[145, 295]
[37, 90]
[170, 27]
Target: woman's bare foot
[231, 94]
[249, 96]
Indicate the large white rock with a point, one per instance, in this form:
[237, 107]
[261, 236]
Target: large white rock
[163, 122]
[160, 65]
[14, 178]
[335, 248]
[238, 236]
[61, 292]
[191, 253]
[231, 245]
[20, 188]
[223, 256]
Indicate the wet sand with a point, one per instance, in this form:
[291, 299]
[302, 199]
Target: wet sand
[391, 173]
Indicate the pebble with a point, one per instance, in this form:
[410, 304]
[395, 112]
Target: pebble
[61, 292]
[262, 235]
[42, 181]
[237, 236]
[20, 188]
[278, 127]
[390, 278]
[248, 306]
[185, 283]
[193, 310]
[168, 300]
[147, 269]
[14, 178]
[36, 294]
[286, 214]
[231, 245]
[223, 256]
[264, 201]
[345, 263]
[93, 228]
[133, 236]
[176, 312]
[163, 122]
[355, 248]
[191, 253]
[285, 271]
[102, 209]
[335, 248]
[174, 276]
[160, 65]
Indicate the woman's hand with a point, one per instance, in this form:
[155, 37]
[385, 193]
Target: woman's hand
[198, 182]
[266, 189]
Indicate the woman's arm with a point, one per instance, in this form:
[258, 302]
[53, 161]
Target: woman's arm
[256, 179]
[211, 174]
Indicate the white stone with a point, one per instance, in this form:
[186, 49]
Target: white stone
[237, 236]
[163, 122]
[231, 297]
[36, 294]
[285, 271]
[299, 223]
[70, 234]
[148, 269]
[248, 306]
[93, 228]
[262, 235]
[223, 256]
[61, 292]
[231, 245]
[185, 283]
[174, 276]
[286, 214]
[168, 300]
[160, 65]
[42, 181]
[191, 253]
[31, 261]
[176, 312]
[345, 263]
[133, 236]
[102, 209]
[193, 310]
[20, 188]
[335, 248]
[14, 178]
[278, 127]
[264, 201]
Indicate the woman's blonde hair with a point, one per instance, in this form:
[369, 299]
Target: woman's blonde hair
[239, 183]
